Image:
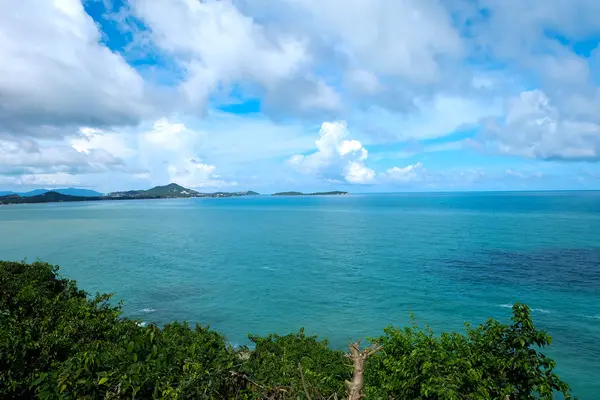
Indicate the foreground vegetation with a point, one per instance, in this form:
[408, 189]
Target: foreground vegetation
[56, 342]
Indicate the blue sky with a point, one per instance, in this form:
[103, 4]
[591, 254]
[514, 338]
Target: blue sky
[365, 96]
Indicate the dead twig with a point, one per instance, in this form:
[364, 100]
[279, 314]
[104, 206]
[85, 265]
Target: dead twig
[303, 382]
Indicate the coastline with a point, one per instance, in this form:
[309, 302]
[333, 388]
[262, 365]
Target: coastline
[170, 191]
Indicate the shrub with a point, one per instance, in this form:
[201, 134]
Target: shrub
[491, 361]
[285, 365]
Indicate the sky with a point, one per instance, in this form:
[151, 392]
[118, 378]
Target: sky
[356, 95]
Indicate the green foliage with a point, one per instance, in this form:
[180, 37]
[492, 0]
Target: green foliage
[489, 362]
[56, 342]
[277, 360]
[43, 321]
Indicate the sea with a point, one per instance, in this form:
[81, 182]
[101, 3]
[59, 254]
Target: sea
[341, 267]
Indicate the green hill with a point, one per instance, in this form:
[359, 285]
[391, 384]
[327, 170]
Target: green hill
[67, 191]
[168, 191]
[288, 194]
[48, 197]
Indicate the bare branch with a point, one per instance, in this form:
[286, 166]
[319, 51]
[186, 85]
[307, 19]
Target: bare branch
[355, 387]
[303, 383]
[374, 349]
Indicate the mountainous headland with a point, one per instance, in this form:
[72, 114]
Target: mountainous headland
[170, 191]
[67, 191]
[47, 197]
[174, 190]
[333, 193]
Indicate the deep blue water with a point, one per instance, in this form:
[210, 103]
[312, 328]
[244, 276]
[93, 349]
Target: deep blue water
[342, 267]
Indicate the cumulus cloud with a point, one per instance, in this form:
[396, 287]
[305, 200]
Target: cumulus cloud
[410, 173]
[363, 81]
[165, 152]
[433, 118]
[217, 45]
[168, 136]
[114, 143]
[533, 127]
[533, 17]
[398, 38]
[45, 180]
[23, 157]
[169, 152]
[56, 75]
[524, 174]
[379, 52]
[357, 172]
[336, 158]
[206, 154]
[192, 173]
[559, 118]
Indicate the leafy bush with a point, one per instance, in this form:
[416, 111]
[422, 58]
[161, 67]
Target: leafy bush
[282, 363]
[491, 361]
[56, 342]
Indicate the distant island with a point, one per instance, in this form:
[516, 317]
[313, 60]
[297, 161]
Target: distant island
[334, 193]
[67, 191]
[173, 190]
[170, 191]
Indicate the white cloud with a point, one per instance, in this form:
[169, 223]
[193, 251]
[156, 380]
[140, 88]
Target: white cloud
[161, 151]
[357, 172]
[169, 151]
[535, 128]
[432, 118]
[398, 38]
[26, 156]
[192, 173]
[565, 68]
[363, 81]
[570, 19]
[323, 97]
[410, 173]
[166, 152]
[352, 147]
[216, 36]
[335, 157]
[559, 119]
[90, 139]
[168, 136]
[55, 72]
[524, 174]
[217, 46]
[42, 180]
[142, 176]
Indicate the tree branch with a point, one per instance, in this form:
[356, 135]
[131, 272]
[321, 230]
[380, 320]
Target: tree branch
[303, 383]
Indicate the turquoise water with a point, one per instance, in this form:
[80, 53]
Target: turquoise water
[342, 267]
